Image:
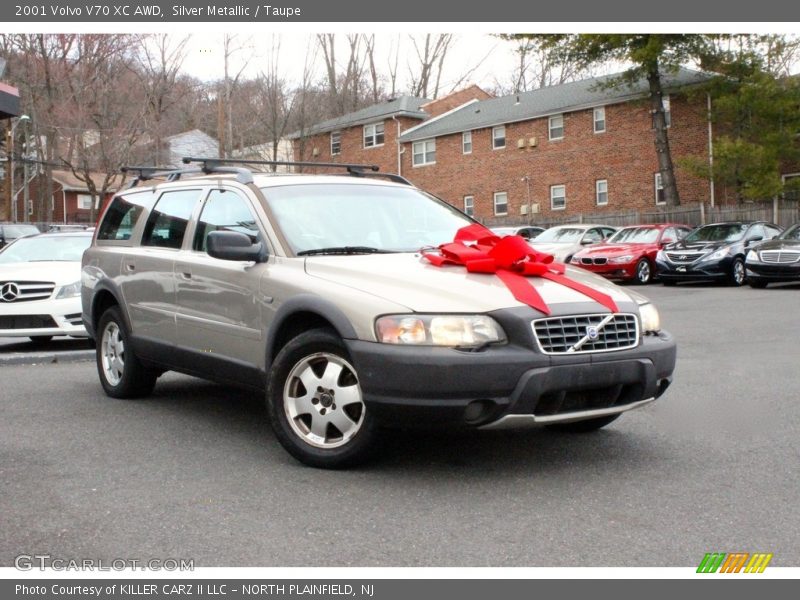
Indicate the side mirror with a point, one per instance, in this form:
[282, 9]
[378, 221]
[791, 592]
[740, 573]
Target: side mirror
[585, 242]
[758, 238]
[232, 245]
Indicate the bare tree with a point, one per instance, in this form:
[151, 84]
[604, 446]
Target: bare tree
[275, 103]
[539, 65]
[369, 43]
[425, 73]
[231, 45]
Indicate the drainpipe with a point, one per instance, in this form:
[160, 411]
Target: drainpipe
[710, 151]
[399, 147]
[64, 204]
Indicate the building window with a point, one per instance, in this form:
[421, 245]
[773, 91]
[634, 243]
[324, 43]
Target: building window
[373, 135]
[423, 153]
[601, 192]
[469, 205]
[336, 143]
[84, 202]
[558, 197]
[498, 137]
[667, 112]
[659, 186]
[600, 119]
[500, 203]
[30, 207]
[556, 124]
[466, 142]
[791, 186]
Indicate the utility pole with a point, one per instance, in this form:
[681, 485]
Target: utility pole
[9, 173]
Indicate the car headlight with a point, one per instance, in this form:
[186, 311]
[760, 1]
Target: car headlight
[651, 322]
[752, 256]
[439, 330]
[69, 291]
[575, 260]
[718, 254]
[661, 255]
[621, 259]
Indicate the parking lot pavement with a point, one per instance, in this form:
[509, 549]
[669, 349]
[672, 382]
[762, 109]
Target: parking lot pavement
[59, 349]
[194, 472]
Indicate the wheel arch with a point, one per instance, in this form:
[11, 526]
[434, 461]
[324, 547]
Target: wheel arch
[300, 314]
[102, 299]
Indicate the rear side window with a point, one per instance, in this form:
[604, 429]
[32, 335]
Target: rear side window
[167, 222]
[122, 215]
[224, 211]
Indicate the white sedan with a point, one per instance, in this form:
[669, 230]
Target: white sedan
[565, 240]
[40, 286]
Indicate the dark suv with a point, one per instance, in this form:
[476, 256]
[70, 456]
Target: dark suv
[715, 252]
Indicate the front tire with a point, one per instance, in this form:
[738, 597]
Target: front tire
[122, 374]
[315, 403]
[737, 275]
[644, 272]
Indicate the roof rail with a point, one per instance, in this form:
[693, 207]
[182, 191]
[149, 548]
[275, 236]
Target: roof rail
[148, 173]
[356, 170]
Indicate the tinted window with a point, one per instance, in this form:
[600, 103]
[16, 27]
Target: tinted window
[224, 211]
[793, 233]
[167, 222]
[122, 215]
[636, 235]
[756, 231]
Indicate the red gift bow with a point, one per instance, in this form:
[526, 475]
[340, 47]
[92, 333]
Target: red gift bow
[512, 260]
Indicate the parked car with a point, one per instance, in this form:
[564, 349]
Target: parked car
[529, 232]
[11, 231]
[564, 241]
[40, 286]
[314, 290]
[630, 254]
[775, 260]
[58, 227]
[713, 252]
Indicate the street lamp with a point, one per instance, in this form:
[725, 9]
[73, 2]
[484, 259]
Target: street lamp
[11, 198]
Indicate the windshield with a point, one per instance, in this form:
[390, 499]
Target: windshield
[45, 248]
[717, 233]
[566, 235]
[384, 218]
[635, 235]
[15, 231]
[793, 233]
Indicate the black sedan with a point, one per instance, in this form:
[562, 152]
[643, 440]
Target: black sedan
[775, 260]
[715, 252]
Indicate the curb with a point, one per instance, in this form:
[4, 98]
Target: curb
[35, 358]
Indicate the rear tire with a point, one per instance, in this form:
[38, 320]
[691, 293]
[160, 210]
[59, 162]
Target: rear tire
[122, 374]
[315, 404]
[585, 426]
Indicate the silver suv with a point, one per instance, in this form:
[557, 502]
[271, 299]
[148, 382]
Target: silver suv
[339, 298]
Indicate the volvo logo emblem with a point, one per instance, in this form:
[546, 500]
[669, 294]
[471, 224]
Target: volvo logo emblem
[592, 332]
[9, 292]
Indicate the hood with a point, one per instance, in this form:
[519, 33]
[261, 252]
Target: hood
[778, 245]
[59, 272]
[410, 280]
[698, 246]
[615, 249]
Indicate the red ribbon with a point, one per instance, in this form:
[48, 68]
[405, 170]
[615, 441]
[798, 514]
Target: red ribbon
[512, 260]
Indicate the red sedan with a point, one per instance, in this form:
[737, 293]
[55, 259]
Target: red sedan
[630, 254]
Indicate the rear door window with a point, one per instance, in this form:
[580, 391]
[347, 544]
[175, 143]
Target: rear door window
[122, 215]
[169, 219]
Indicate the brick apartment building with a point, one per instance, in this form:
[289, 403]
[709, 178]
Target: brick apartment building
[71, 201]
[535, 156]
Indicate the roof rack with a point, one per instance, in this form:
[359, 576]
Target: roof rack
[356, 170]
[148, 173]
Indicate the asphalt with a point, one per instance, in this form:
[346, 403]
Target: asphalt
[194, 471]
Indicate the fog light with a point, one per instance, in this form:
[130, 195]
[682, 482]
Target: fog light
[478, 411]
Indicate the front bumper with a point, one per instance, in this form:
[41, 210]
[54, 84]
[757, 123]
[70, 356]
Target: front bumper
[773, 272]
[611, 271]
[440, 386]
[695, 271]
[42, 318]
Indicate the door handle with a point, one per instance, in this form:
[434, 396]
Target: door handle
[130, 267]
[186, 275]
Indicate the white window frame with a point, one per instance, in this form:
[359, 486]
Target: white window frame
[553, 196]
[338, 135]
[469, 205]
[550, 127]
[495, 137]
[422, 150]
[371, 134]
[30, 207]
[658, 185]
[599, 110]
[598, 191]
[496, 196]
[84, 199]
[466, 140]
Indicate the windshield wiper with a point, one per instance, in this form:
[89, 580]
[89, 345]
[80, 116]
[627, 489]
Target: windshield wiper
[344, 250]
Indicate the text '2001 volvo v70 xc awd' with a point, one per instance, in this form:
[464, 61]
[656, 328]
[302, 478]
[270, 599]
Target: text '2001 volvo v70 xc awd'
[355, 303]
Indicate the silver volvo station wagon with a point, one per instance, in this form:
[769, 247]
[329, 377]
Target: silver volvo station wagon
[356, 302]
